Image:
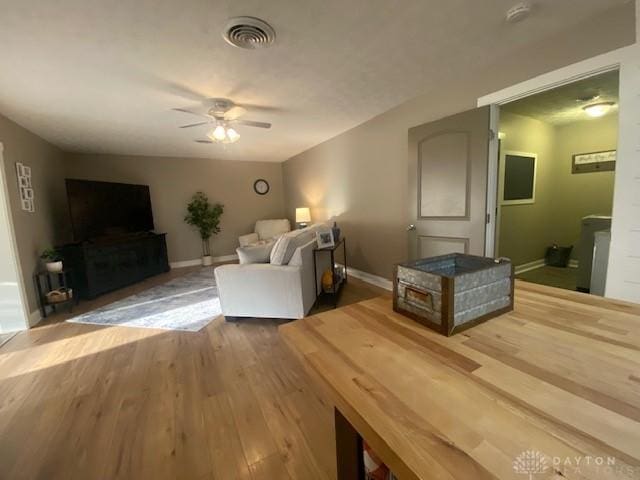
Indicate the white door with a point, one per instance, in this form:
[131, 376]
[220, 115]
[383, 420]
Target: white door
[448, 162]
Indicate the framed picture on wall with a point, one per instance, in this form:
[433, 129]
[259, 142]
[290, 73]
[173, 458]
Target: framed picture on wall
[519, 178]
[24, 187]
[27, 205]
[594, 162]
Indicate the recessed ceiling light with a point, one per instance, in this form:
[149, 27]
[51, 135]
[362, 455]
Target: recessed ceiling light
[598, 109]
[518, 12]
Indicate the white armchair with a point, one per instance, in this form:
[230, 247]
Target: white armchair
[265, 231]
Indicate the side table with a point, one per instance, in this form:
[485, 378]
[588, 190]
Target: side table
[339, 280]
[45, 282]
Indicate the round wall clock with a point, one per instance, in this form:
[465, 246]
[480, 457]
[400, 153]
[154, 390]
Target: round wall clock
[261, 186]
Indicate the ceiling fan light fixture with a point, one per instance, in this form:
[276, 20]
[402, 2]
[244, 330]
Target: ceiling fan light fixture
[598, 109]
[218, 134]
[222, 115]
[232, 135]
[223, 134]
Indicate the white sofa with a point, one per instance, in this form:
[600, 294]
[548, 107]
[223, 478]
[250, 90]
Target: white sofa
[268, 290]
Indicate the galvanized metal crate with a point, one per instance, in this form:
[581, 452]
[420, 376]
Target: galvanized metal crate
[453, 292]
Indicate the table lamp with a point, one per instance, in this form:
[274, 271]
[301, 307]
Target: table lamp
[303, 216]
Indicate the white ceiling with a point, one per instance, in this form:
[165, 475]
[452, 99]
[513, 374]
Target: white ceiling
[564, 105]
[102, 77]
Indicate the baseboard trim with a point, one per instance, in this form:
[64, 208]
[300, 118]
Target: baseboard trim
[34, 318]
[370, 278]
[526, 267]
[198, 261]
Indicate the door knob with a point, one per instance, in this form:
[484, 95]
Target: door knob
[411, 227]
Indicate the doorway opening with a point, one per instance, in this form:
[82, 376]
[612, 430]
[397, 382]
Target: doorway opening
[556, 168]
[13, 316]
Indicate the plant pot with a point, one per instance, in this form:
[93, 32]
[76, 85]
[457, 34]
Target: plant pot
[54, 267]
[207, 260]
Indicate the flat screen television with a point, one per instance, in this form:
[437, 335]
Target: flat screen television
[104, 209]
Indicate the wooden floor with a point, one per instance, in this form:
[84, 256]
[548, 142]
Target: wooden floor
[229, 402]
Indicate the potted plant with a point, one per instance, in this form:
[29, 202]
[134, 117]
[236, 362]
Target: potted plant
[206, 218]
[52, 259]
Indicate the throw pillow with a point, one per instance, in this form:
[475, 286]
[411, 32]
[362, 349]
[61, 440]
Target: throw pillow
[255, 253]
[278, 251]
[287, 244]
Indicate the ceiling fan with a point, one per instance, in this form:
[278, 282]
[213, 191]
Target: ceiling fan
[222, 115]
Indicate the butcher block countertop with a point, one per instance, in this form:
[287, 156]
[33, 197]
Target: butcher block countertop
[550, 390]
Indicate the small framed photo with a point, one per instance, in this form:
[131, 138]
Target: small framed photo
[26, 171]
[325, 238]
[24, 182]
[27, 205]
[27, 193]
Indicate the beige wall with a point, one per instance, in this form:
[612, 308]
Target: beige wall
[562, 198]
[173, 181]
[361, 175]
[44, 227]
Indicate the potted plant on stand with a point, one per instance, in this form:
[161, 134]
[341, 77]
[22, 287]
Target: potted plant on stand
[206, 218]
[52, 259]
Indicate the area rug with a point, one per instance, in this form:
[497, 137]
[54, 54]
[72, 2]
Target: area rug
[186, 303]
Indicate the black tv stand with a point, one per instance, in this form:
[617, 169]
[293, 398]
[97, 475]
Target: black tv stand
[106, 264]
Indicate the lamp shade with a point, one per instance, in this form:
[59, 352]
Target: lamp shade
[303, 215]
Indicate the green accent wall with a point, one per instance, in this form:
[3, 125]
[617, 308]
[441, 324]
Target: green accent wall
[562, 198]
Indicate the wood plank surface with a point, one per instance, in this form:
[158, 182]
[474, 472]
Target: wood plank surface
[228, 402]
[556, 381]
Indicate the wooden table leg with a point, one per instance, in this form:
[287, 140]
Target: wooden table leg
[348, 450]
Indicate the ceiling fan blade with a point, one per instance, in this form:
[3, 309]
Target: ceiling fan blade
[251, 123]
[184, 110]
[234, 112]
[203, 141]
[262, 108]
[194, 125]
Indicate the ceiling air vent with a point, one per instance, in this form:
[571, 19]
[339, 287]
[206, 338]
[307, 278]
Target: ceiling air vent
[249, 33]
[518, 12]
